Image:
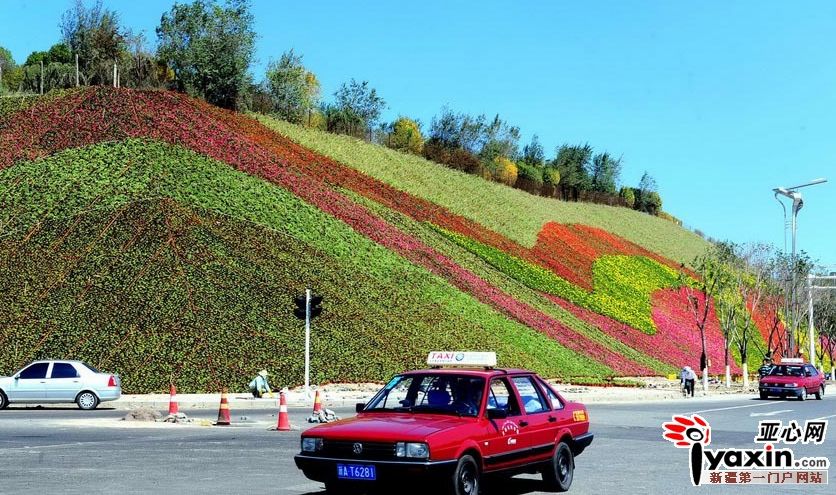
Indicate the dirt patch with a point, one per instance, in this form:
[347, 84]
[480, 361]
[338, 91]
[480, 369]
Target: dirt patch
[142, 414]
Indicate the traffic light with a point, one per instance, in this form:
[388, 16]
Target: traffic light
[300, 302]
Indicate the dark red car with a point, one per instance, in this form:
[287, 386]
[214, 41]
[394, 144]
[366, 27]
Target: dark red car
[792, 378]
[447, 428]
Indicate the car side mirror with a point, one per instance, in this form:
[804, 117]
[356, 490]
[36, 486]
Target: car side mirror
[358, 407]
[807, 373]
[17, 377]
[497, 413]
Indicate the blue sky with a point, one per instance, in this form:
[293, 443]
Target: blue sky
[720, 101]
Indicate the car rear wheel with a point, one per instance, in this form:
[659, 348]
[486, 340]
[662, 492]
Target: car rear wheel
[820, 393]
[466, 477]
[803, 394]
[4, 401]
[87, 401]
[561, 469]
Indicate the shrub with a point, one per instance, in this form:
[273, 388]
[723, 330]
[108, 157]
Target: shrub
[505, 171]
[406, 136]
[629, 196]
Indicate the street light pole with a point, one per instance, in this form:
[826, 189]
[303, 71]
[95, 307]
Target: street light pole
[797, 204]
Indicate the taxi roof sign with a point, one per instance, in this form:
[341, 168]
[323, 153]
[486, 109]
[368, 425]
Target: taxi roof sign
[792, 361]
[455, 358]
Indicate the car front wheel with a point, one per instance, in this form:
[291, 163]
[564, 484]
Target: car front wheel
[561, 469]
[764, 396]
[820, 392]
[466, 477]
[87, 401]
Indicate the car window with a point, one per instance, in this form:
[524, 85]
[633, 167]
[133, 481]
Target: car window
[500, 396]
[94, 370]
[532, 399]
[782, 370]
[64, 370]
[551, 395]
[813, 371]
[37, 370]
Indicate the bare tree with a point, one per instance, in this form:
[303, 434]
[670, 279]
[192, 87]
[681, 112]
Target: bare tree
[710, 271]
[753, 282]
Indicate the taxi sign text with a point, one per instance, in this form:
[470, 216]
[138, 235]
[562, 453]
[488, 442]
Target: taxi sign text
[455, 358]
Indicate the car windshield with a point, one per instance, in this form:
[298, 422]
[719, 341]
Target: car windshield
[781, 370]
[442, 393]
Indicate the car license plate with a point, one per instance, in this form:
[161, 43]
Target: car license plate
[356, 472]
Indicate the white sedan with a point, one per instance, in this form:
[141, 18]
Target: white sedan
[44, 382]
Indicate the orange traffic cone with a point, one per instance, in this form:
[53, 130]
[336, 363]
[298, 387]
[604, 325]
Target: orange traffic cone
[317, 404]
[172, 402]
[284, 420]
[223, 411]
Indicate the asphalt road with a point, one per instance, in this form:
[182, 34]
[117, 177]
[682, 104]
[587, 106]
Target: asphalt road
[64, 450]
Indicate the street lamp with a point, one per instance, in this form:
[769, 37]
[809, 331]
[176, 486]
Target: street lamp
[797, 204]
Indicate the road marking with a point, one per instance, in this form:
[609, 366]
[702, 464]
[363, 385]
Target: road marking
[733, 407]
[825, 417]
[772, 413]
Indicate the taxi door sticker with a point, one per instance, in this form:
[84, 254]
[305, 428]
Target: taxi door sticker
[510, 428]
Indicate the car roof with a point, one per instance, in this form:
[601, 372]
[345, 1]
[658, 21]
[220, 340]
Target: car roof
[486, 372]
[55, 361]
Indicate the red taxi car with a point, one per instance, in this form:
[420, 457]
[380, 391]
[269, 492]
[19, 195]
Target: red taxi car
[792, 378]
[449, 427]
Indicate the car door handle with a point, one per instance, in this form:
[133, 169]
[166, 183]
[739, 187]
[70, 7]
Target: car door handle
[523, 423]
[552, 419]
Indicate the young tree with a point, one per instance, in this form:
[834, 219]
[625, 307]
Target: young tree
[360, 104]
[648, 199]
[209, 47]
[293, 88]
[95, 36]
[729, 301]
[825, 320]
[709, 268]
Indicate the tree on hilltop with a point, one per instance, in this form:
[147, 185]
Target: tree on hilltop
[293, 89]
[94, 34]
[604, 173]
[209, 47]
[360, 106]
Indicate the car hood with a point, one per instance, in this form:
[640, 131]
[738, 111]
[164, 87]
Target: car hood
[388, 426]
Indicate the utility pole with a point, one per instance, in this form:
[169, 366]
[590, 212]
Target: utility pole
[114, 74]
[42, 77]
[76, 70]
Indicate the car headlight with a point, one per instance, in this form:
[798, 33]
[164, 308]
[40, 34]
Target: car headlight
[412, 450]
[311, 444]
[793, 385]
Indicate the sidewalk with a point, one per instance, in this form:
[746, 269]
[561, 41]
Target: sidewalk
[346, 395]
